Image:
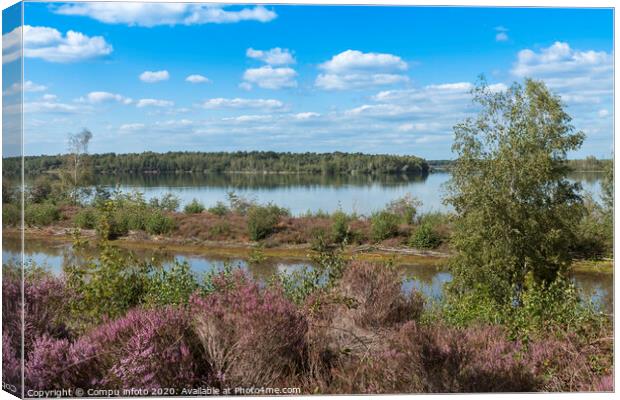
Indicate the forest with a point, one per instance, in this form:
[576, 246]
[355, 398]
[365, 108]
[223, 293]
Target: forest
[240, 162]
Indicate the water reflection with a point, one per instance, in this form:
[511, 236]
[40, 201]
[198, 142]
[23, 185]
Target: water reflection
[597, 287]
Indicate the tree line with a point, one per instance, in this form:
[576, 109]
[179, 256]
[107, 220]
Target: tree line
[241, 161]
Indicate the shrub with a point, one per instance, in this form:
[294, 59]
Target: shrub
[383, 225]
[377, 291]
[194, 207]
[341, 231]
[11, 215]
[168, 202]
[170, 286]
[425, 237]
[106, 288]
[157, 223]
[41, 214]
[221, 230]
[406, 208]
[219, 209]
[262, 220]
[86, 218]
[251, 336]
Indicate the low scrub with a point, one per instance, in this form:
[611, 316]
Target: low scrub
[194, 207]
[384, 225]
[262, 220]
[42, 214]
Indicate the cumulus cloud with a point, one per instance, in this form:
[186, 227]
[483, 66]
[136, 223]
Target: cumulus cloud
[195, 78]
[353, 69]
[268, 77]
[154, 76]
[154, 103]
[240, 103]
[501, 34]
[51, 45]
[275, 56]
[155, 14]
[105, 97]
[583, 79]
[560, 58]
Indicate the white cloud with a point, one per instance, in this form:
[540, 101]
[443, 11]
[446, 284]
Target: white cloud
[195, 78]
[11, 45]
[249, 118]
[268, 77]
[154, 76]
[583, 79]
[154, 103]
[154, 14]
[501, 34]
[49, 107]
[127, 128]
[49, 97]
[104, 97]
[275, 56]
[239, 103]
[353, 60]
[306, 115]
[560, 58]
[353, 69]
[51, 45]
[603, 113]
[354, 81]
[29, 86]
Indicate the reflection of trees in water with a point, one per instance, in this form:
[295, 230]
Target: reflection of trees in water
[589, 177]
[257, 181]
[598, 287]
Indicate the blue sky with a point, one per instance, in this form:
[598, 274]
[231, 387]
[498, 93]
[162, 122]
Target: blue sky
[298, 78]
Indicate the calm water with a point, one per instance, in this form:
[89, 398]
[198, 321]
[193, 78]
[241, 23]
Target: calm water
[302, 193]
[430, 280]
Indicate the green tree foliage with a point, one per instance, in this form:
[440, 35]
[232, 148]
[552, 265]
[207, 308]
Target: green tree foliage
[515, 212]
[241, 161]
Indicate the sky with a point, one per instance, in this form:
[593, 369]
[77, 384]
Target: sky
[372, 79]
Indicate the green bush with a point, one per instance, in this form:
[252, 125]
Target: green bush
[425, 237]
[41, 214]
[262, 220]
[157, 223]
[383, 225]
[219, 209]
[541, 308]
[11, 215]
[341, 231]
[86, 218]
[406, 208]
[194, 207]
[170, 286]
[168, 202]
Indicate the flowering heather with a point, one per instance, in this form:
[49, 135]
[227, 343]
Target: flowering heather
[149, 349]
[251, 336]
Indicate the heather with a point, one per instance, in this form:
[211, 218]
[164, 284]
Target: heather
[352, 330]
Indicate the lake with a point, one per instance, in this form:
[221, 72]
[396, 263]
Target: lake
[302, 193]
[430, 280]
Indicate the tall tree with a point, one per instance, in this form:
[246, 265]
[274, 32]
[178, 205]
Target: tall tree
[515, 210]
